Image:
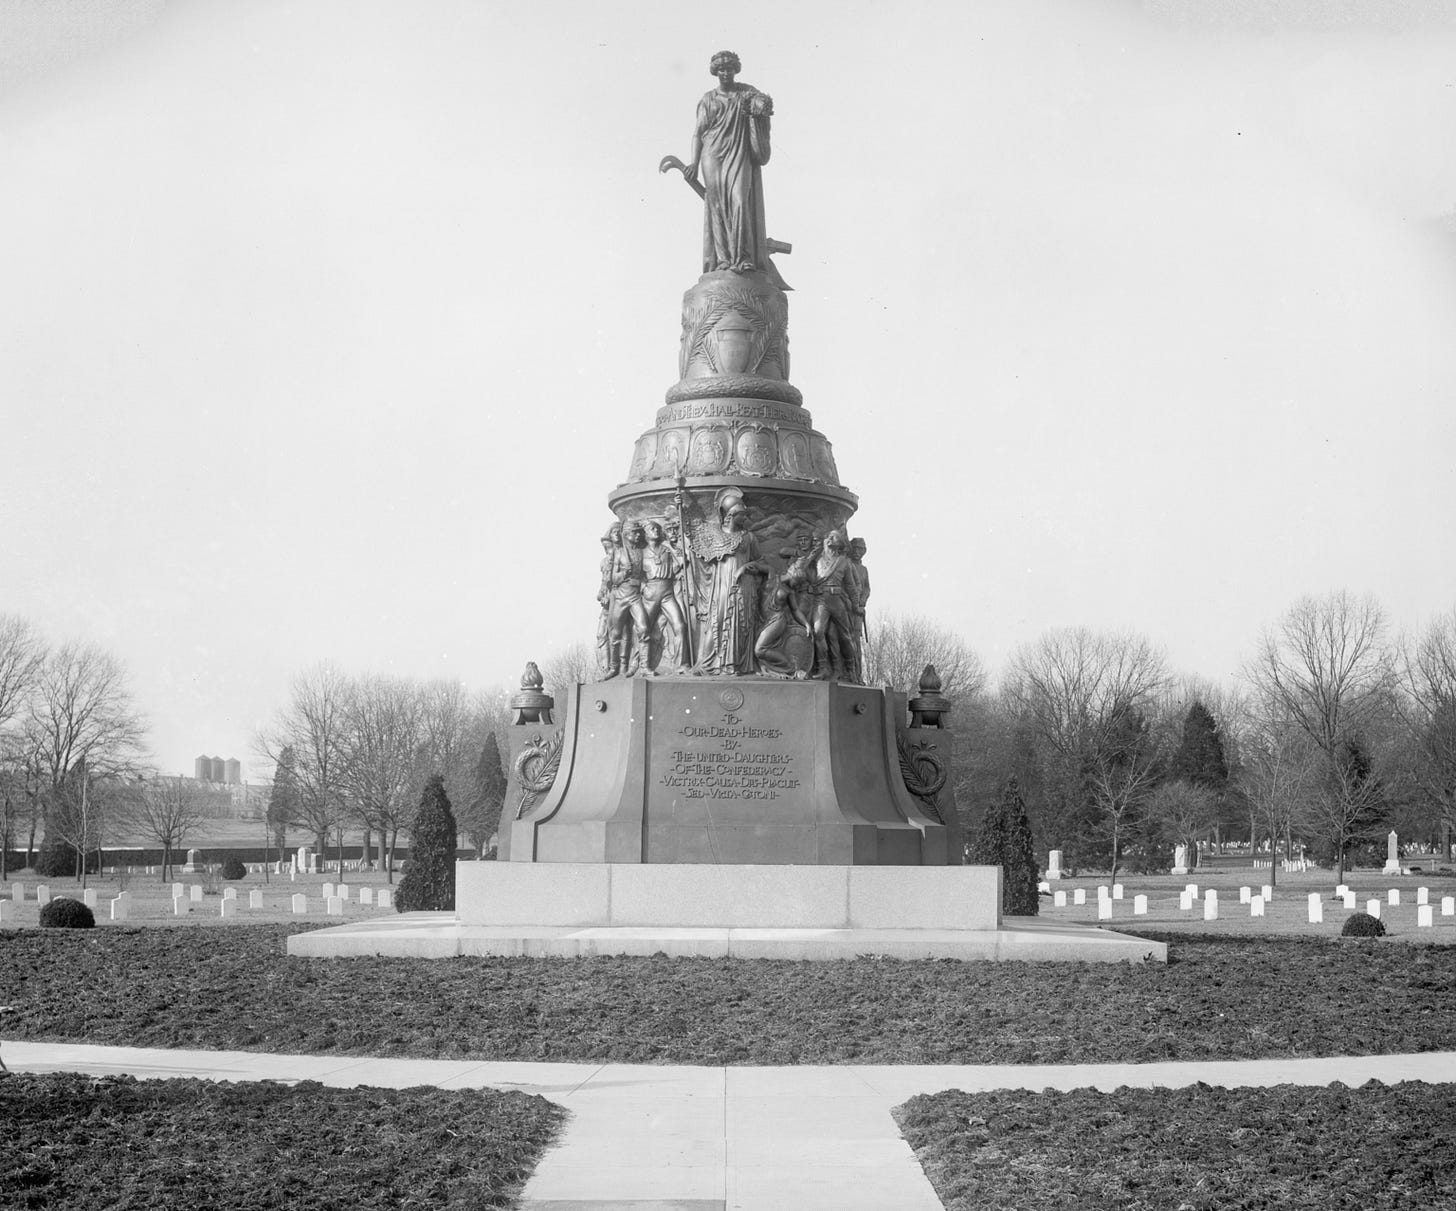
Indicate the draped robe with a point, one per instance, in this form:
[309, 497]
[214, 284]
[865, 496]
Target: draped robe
[733, 226]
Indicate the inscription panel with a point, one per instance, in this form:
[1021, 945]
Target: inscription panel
[731, 760]
[732, 409]
[732, 757]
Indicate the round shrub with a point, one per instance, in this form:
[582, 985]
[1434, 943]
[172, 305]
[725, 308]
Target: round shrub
[1363, 925]
[233, 868]
[65, 913]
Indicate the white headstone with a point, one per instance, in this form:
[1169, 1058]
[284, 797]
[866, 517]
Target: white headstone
[179, 889]
[1042, 887]
[1185, 900]
[366, 895]
[7, 911]
[89, 897]
[1117, 891]
[181, 906]
[1180, 860]
[1245, 894]
[1316, 908]
[1423, 895]
[1079, 896]
[300, 903]
[1448, 906]
[229, 908]
[229, 893]
[313, 864]
[1210, 905]
[1392, 897]
[342, 891]
[1372, 907]
[1267, 892]
[119, 908]
[1350, 900]
[335, 907]
[17, 892]
[255, 898]
[1054, 864]
[1341, 890]
[1059, 899]
[385, 898]
[1139, 906]
[195, 891]
[1424, 916]
[1104, 892]
[328, 891]
[42, 893]
[1192, 890]
[1256, 906]
[1104, 908]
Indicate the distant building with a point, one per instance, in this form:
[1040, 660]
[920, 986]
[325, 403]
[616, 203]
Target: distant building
[215, 769]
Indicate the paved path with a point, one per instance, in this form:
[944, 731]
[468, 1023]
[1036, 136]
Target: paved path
[714, 1139]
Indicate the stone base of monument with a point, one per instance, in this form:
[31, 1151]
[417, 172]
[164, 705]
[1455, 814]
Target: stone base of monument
[726, 770]
[716, 911]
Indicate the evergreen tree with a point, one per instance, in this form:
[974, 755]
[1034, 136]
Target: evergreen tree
[1004, 840]
[429, 881]
[1200, 758]
[484, 817]
[1202, 762]
[1020, 897]
[283, 802]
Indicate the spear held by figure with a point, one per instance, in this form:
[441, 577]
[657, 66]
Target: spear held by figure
[682, 535]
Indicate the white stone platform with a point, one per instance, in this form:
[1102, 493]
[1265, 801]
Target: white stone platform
[574, 909]
[439, 935]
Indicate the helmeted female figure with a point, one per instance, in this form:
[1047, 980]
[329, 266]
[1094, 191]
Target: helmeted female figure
[731, 625]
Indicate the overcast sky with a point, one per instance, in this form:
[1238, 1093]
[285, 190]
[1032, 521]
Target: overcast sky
[326, 328]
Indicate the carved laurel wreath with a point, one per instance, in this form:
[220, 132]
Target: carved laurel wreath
[536, 767]
[924, 773]
[765, 320]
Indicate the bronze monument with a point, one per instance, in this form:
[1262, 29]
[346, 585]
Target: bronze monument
[731, 724]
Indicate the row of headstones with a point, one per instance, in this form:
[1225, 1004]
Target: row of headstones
[334, 899]
[1425, 911]
[17, 892]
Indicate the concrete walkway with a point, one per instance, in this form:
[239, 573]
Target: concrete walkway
[705, 1139]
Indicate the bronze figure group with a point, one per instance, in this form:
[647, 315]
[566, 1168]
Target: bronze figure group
[712, 604]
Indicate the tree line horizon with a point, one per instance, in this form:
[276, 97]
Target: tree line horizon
[1335, 732]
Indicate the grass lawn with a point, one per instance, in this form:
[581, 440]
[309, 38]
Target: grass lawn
[74, 1143]
[1195, 1149]
[1217, 998]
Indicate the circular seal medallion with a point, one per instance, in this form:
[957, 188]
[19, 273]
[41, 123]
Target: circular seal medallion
[730, 700]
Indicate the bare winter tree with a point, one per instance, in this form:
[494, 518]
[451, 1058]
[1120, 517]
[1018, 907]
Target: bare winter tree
[1279, 777]
[1084, 695]
[572, 665]
[1428, 701]
[165, 810]
[314, 724]
[899, 646]
[384, 747]
[22, 655]
[1326, 669]
[1184, 811]
[82, 730]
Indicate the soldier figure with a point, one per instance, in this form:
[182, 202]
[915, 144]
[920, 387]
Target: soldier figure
[659, 599]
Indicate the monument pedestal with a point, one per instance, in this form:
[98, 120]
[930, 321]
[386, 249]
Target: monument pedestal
[727, 770]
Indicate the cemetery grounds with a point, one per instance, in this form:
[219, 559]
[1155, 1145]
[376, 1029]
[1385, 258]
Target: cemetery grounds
[1238, 987]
